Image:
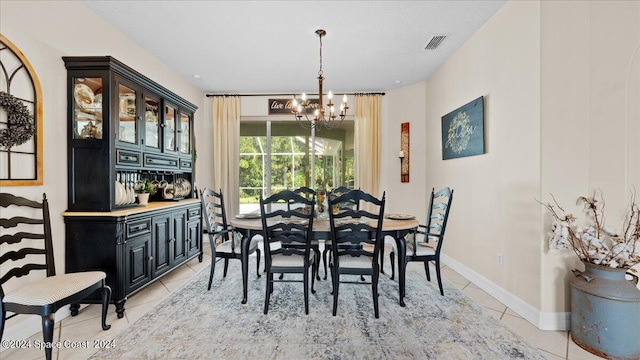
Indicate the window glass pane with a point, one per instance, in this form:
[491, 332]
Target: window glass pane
[170, 128]
[289, 159]
[252, 166]
[87, 93]
[127, 125]
[185, 134]
[152, 122]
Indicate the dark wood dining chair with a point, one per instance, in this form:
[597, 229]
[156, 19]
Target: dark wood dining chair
[308, 194]
[426, 242]
[287, 234]
[225, 242]
[26, 236]
[356, 238]
[338, 207]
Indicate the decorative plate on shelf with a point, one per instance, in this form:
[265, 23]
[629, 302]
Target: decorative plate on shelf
[248, 216]
[399, 217]
[84, 96]
[127, 105]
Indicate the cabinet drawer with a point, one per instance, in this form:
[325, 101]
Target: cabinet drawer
[128, 157]
[185, 164]
[160, 161]
[138, 227]
[193, 213]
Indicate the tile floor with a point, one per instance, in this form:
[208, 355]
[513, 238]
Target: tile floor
[85, 326]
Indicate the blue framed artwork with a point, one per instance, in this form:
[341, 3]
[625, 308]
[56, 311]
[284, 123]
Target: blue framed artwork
[463, 131]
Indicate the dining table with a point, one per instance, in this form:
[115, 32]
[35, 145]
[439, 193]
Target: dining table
[395, 226]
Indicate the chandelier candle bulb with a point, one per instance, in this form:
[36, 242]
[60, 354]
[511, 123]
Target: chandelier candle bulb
[401, 154]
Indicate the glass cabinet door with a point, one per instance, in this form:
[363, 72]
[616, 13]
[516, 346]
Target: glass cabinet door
[127, 115]
[87, 108]
[152, 122]
[170, 128]
[185, 134]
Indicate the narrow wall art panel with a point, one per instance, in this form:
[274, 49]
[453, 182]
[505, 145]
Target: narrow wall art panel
[404, 151]
[463, 131]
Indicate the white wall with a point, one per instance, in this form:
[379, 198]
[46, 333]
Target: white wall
[561, 81]
[494, 208]
[45, 31]
[590, 117]
[405, 105]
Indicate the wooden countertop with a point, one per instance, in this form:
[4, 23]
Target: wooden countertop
[324, 226]
[154, 205]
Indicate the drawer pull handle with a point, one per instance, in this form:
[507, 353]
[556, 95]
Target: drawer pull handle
[138, 227]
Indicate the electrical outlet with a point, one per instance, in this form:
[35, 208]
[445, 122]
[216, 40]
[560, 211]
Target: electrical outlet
[500, 259]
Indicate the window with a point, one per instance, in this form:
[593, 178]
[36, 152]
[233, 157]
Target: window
[275, 155]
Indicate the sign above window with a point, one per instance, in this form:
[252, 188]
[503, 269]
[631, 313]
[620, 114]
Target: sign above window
[285, 106]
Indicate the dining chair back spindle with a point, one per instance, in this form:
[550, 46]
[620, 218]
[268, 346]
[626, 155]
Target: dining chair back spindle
[225, 242]
[287, 234]
[356, 238]
[426, 241]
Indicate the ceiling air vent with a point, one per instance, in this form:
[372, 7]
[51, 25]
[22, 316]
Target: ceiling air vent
[435, 41]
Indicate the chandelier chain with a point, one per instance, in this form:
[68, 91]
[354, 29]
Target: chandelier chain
[320, 71]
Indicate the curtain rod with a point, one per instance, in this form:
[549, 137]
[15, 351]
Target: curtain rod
[289, 94]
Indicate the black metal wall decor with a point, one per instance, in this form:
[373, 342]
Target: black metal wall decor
[20, 119]
[463, 131]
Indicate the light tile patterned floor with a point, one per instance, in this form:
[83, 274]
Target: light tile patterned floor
[553, 344]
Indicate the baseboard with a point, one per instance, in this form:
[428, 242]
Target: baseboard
[29, 326]
[543, 321]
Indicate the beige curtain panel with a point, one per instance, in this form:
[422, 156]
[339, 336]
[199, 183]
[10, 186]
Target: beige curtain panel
[367, 143]
[226, 134]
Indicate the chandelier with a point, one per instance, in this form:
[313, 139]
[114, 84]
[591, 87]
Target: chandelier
[320, 115]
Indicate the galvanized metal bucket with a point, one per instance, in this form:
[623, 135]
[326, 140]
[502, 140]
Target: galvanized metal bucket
[605, 312]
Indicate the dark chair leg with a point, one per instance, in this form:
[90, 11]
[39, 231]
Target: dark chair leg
[374, 290]
[3, 316]
[305, 282]
[392, 260]
[336, 285]
[226, 266]
[47, 333]
[258, 262]
[426, 270]
[316, 261]
[267, 294]
[270, 283]
[74, 308]
[245, 276]
[313, 278]
[439, 277]
[213, 268]
[324, 261]
[106, 298]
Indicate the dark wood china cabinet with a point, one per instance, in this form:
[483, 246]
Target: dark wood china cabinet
[123, 129]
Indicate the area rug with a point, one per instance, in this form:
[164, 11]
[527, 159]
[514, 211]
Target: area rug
[194, 323]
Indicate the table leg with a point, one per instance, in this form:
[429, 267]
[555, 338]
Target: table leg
[246, 241]
[402, 255]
